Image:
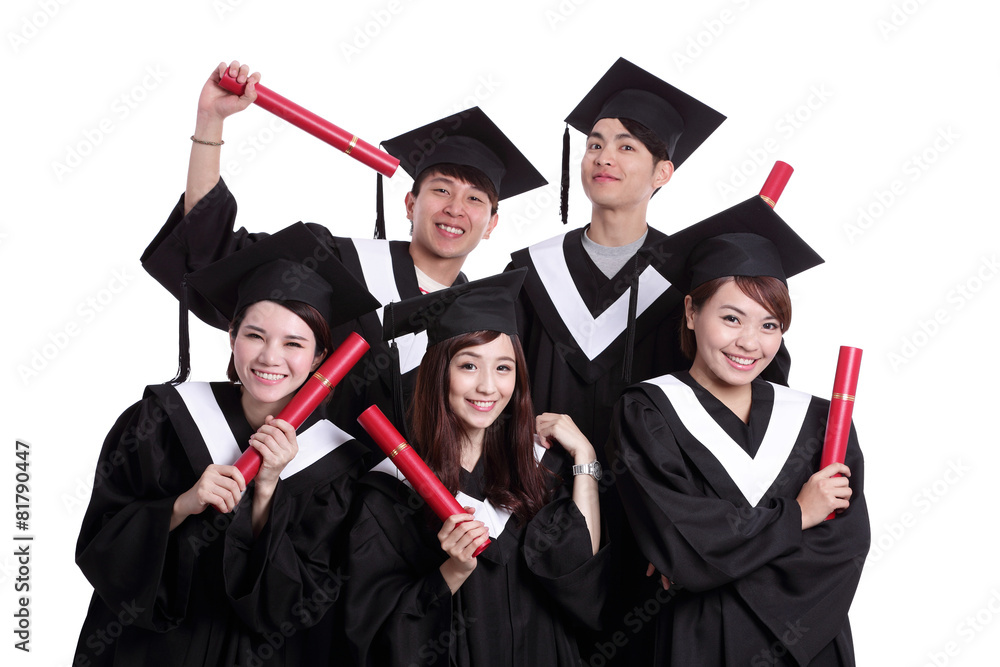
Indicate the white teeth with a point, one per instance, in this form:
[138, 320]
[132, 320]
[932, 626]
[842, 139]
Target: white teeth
[740, 360]
[268, 376]
[450, 229]
[483, 404]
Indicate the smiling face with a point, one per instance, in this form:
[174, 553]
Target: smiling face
[450, 217]
[618, 171]
[736, 338]
[481, 383]
[274, 352]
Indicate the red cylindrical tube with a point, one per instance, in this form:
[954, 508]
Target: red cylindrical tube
[775, 183]
[838, 424]
[424, 482]
[304, 119]
[310, 395]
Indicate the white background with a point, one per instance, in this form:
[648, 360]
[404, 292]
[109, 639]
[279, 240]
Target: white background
[886, 107]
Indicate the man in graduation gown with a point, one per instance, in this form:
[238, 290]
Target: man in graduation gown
[596, 315]
[214, 588]
[462, 166]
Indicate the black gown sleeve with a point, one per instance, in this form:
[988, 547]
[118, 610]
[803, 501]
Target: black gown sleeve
[395, 597]
[291, 573]
[125, 548]
[697, 539]
[206, 234]
[558, 552]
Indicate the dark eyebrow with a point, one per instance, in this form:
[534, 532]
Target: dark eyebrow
[620, 135]
[769, 315]
[451, 181]
[262, 330]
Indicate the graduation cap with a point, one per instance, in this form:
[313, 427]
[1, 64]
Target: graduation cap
[291, 265]
[748, 239]
[480, 305]
[468, 138]
[628, 91]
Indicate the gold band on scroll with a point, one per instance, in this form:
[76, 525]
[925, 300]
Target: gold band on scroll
[396, 451]
[843, 397]
[354, 142]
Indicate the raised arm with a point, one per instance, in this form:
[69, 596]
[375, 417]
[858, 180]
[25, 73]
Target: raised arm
[215, 104]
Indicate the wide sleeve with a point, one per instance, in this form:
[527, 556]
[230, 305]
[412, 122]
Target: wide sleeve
[293, 570]
[396, 603]
[808, 592]
[559, 553]
[125, 548]
[696, 538]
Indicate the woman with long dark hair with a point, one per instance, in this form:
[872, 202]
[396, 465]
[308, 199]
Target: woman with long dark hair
[415, 592]
[192, 565]
[720, 469]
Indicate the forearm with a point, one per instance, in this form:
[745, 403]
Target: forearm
[586, 495]
[261, 507]
[204, 163]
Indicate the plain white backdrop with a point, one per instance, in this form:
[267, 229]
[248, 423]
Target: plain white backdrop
[886, 110]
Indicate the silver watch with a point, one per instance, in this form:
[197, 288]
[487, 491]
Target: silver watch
[592, 469]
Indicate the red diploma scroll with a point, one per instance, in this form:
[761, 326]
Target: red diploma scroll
[310, 395]
[775, 183]
[838, 424]
[304, 119]
[424, 482]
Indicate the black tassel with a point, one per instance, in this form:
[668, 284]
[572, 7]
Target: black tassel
[564, 184]
[633, 304]
[397, 377]
[183, 339]
[379, 209]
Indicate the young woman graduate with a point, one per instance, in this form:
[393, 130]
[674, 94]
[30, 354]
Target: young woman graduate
[415, 594]
[720, 467]
[190, 564]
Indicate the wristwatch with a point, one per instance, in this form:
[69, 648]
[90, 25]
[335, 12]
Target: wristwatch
[592, 469]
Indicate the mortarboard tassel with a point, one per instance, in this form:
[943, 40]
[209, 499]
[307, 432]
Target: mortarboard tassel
[397, 377]
[379, 209]
[633, 304]
[564, 183]
[183, 339]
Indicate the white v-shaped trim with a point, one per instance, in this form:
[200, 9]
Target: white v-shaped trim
[593, 335]
[495, 518]
[314, 443]
[376, 265]
[753, 476]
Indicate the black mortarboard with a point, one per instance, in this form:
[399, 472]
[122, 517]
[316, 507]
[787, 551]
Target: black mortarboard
[480, 305]
[627, 91]
[291, 265]
[748, 239]
[468, 138]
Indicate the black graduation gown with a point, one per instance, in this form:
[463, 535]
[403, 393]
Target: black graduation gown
[207, 233]
[532, 587]
[573, 326]
[208, 593]
[712, 501]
